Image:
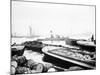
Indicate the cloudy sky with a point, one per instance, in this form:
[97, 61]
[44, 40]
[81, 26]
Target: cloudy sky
[61, 19]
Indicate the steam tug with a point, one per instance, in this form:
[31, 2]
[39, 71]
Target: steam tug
[84, 57]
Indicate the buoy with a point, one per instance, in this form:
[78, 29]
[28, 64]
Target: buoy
[38, 67]
[27, 71]
[22, 70]
[33, 71]
[47, 66]
[30, 63]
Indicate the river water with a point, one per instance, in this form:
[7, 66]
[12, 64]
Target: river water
[20, 40]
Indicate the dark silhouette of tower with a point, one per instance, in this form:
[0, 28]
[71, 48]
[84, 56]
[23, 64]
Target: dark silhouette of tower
[51, 36]
[30, 30]
[92, 38]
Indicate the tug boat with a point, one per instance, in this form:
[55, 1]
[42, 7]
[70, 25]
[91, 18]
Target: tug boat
[88, 45]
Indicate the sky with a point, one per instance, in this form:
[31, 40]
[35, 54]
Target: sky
[62, 19]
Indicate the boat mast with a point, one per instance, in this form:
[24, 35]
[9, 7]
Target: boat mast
[30, 30]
